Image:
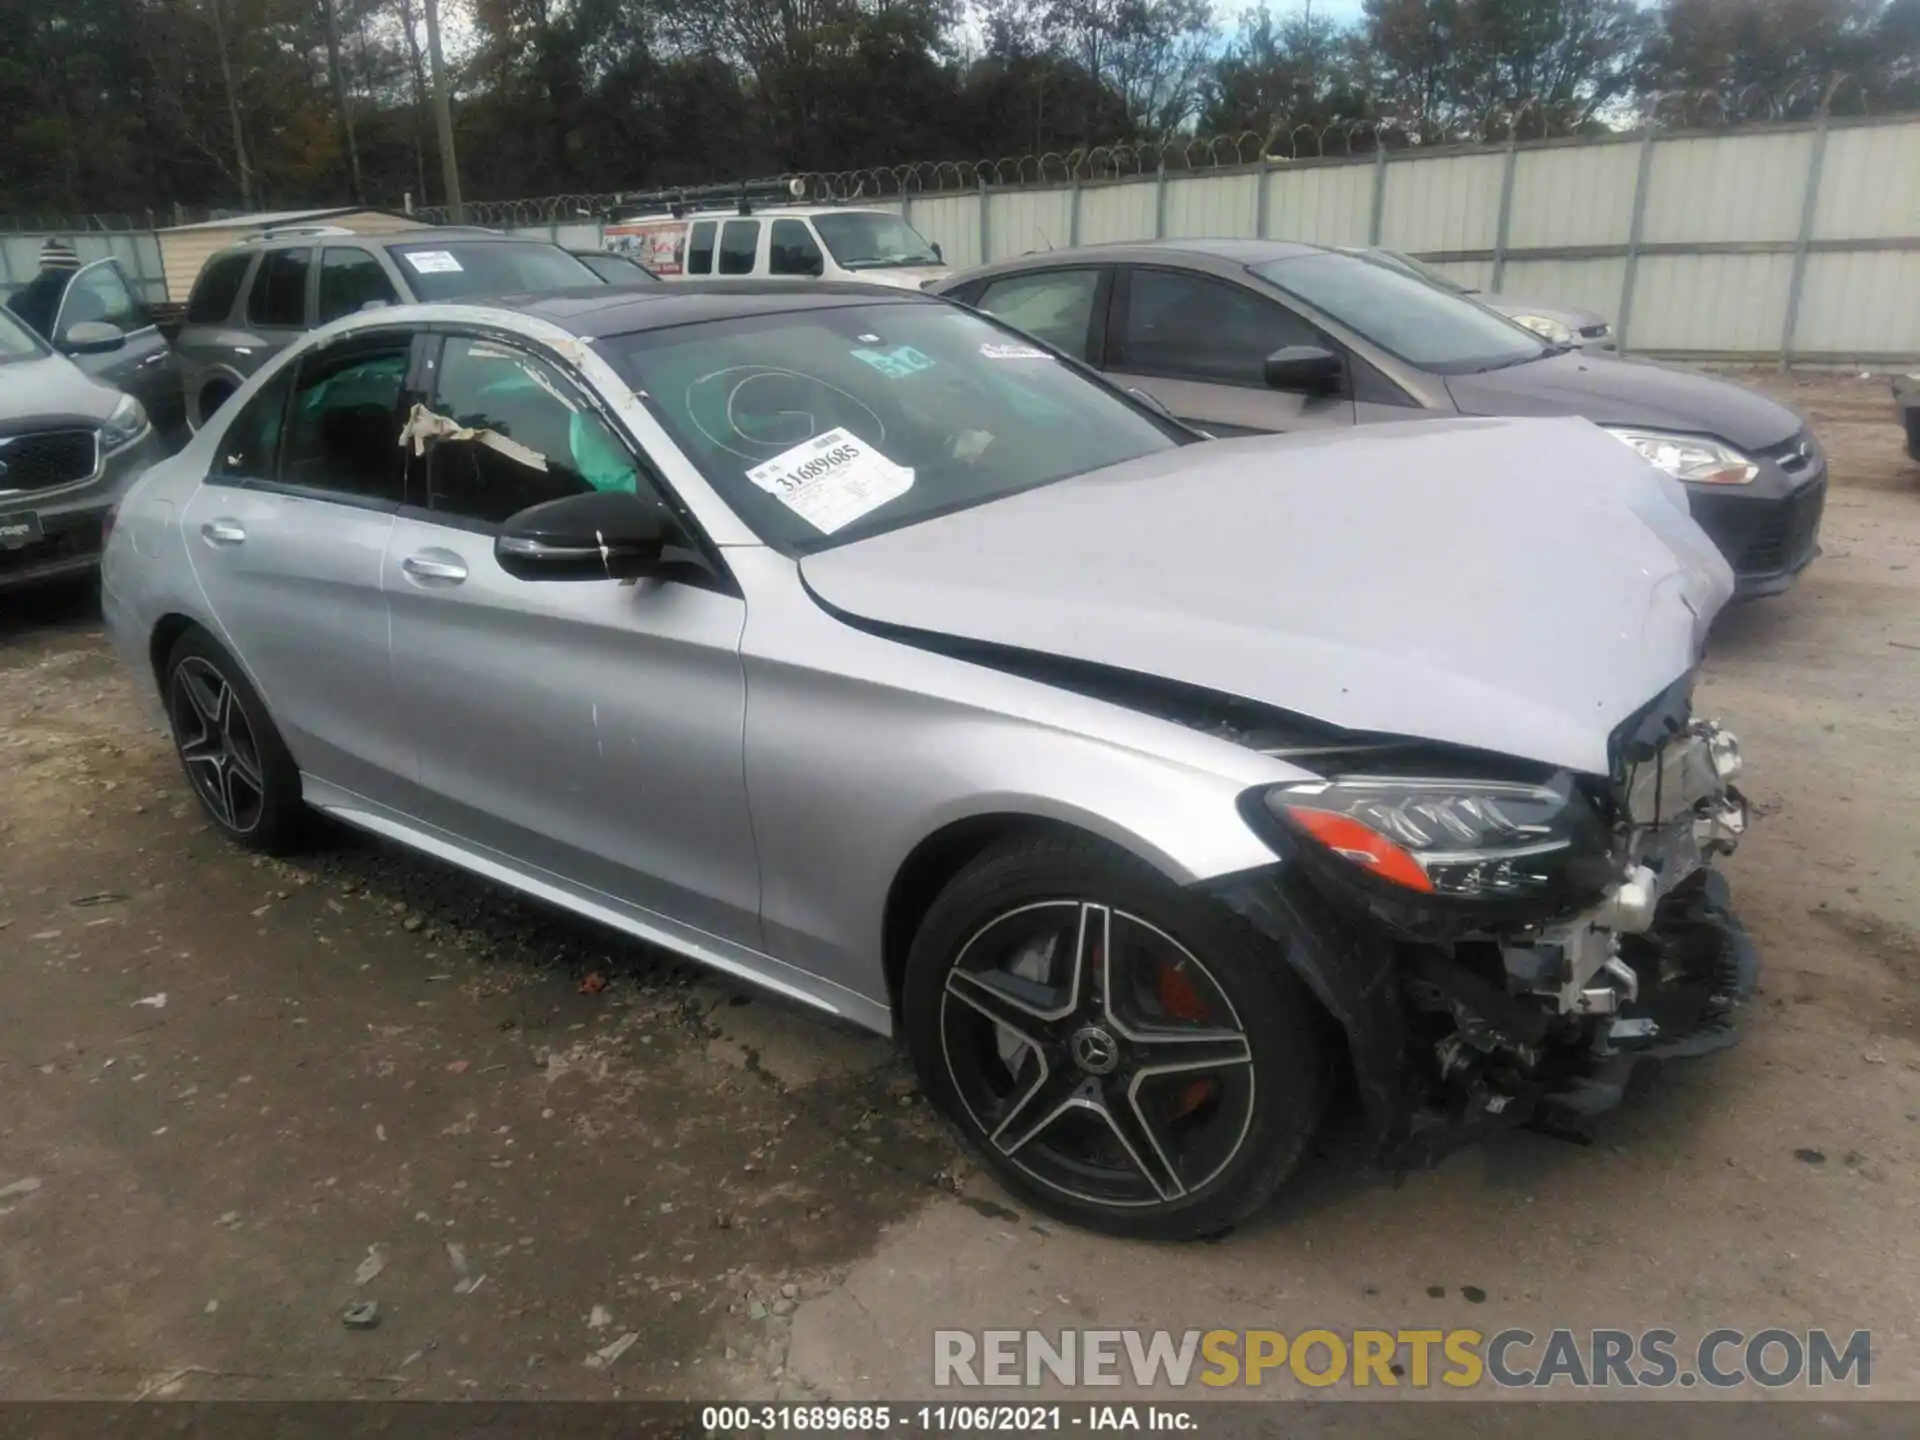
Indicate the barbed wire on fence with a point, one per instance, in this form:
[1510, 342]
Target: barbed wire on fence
[1338, 139]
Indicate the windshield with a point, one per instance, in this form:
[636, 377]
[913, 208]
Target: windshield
[1446, 333]
[617, 269]
[453, 269]
[872, 240]
[1420, 268]
[16, 341]
[818, 426]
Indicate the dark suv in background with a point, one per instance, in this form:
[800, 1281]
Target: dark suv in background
[259, 296]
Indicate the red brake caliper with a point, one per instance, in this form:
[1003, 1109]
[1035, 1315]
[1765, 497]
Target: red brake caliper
[1179, 999]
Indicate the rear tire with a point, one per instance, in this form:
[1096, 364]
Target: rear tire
[1122, 1053]
[234, 758]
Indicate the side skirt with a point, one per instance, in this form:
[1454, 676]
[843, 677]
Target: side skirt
[737, 961]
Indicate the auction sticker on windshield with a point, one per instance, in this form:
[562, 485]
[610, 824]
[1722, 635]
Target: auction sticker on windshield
[431, 262]
[832, 480]
[993, 351]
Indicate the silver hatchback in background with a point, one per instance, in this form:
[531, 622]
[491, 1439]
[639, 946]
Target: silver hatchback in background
[255, 298]
[853, 644]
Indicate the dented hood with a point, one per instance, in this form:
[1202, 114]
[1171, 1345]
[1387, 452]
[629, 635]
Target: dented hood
[1520, 586]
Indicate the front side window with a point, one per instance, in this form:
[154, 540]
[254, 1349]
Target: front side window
[456, 269]
[280, 289]
[792, 250]
[700, 248]
[512, 431]
[820, 425]
[250, 448]
[1188, 327]
[739, 243]
[99, 295]
[1056, 305]
[1405, 316]
[216, 290]
[343, 427]
[873, 240]
[350, 280]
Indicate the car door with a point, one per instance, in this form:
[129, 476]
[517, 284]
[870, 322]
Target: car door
[1199, 344]
[351, 278]
[1062, 307]
[143, 364]
[287, 537]
[278, 304]
[591, 730]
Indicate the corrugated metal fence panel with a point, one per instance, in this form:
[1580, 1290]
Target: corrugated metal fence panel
[1213, 205]
[1583, 284]
[1721, 304]
[1474, 274]
[1573, 195]
[1019, 221]
[953, 223]
[1870, 183]
[1728, 187]
[1116, 212]
[1445, 202]
[1859, 303]
[1320, 204]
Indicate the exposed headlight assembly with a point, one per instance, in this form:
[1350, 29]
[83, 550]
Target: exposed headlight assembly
[1458, 839]
[127, 424]
[1547, 328]
[1691, 458]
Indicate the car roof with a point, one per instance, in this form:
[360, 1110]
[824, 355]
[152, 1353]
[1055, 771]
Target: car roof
[619, 310]
[755, 212]
[1224, 253]
[412, 235]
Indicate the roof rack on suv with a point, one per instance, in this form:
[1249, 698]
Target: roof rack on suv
[281, 232]
[740, 197]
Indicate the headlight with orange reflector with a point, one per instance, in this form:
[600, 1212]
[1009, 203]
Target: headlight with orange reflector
[1455, 844]
[1691, 458]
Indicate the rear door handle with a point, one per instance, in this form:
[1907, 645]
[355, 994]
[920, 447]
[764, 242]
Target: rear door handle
[436, 565]
[223, 532]
[155, 358]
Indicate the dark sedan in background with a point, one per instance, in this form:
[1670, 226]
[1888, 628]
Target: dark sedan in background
[1237, 337]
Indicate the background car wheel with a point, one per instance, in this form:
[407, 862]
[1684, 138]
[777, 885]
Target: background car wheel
[1124, 1054]
[234, 758]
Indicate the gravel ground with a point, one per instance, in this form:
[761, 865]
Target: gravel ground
[245, 1095]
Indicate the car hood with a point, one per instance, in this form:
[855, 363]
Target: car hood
[1516, 586]
[51, 388]
[1611, 391]
[902, 277]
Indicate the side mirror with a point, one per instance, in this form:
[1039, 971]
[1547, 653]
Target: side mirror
[93, 337]
[1311, 368]
[938, 253]
[604, 535]
[817, 266]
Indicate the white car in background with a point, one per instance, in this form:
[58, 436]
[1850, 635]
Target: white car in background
[792, 242]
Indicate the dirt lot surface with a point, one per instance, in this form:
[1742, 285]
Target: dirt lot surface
[243, 1095]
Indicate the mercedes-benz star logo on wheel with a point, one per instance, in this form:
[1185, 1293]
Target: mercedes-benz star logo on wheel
[1094, 1050]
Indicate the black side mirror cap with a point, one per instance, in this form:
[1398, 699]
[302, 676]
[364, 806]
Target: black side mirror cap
[602, 535]
[1312, 368]
[938, 253]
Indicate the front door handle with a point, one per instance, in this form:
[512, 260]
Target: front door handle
[223, 532]
[436, 565]
[154, 359]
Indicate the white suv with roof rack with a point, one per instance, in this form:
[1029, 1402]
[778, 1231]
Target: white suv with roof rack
[722, 231]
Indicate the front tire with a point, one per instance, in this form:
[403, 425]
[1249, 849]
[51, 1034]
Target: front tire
[233, 756]
[1122, 1053]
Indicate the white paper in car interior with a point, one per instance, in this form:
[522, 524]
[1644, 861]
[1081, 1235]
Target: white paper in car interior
[832, 480]
[431, 262]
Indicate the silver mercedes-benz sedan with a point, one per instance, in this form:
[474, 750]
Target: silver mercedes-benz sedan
[1155, 793]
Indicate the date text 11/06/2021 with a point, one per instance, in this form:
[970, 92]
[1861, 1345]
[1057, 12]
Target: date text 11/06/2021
[720, 1420]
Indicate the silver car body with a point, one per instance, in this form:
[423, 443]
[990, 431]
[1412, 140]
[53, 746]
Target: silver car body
[666, 759]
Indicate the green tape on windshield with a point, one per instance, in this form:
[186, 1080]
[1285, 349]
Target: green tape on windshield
[897, 363]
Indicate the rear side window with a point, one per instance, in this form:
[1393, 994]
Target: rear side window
[792, 250]
[343, 428]
[349, 279]
[700, 249]
[280, 289]
[538, 438]
[1056, 305]
[739, 242]
[249, 449]
[216, 289]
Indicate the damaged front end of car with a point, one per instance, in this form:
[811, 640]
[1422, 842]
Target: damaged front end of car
[1502, 942]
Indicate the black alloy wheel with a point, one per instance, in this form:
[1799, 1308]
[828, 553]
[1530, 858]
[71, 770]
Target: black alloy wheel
[233, 756]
